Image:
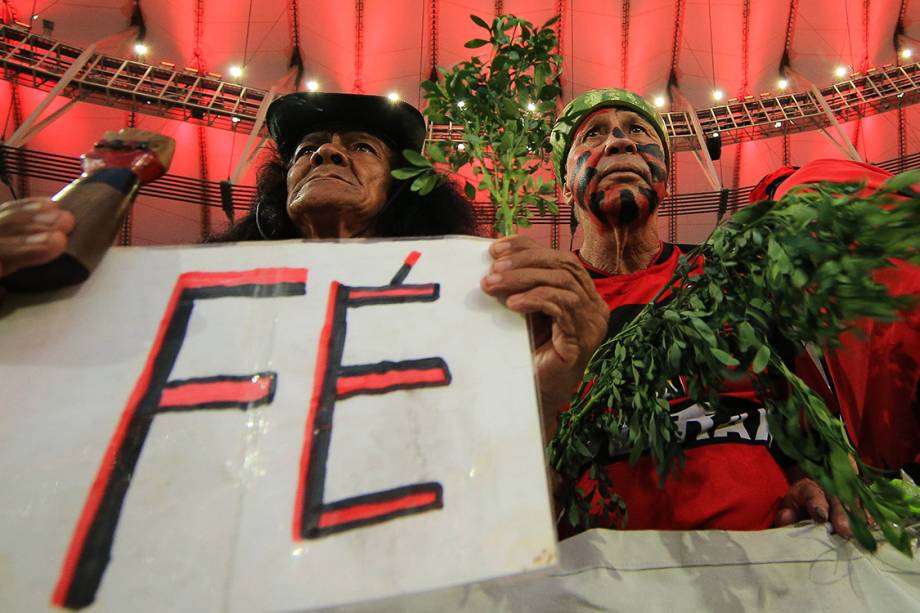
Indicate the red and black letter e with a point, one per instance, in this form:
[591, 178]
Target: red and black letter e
[313, 516]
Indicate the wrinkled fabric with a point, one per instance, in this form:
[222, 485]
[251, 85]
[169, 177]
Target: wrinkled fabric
[797, 568]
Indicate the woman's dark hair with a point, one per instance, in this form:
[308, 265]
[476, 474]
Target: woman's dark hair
[442, 211]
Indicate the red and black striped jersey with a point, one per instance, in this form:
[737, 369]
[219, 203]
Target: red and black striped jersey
[730, 479]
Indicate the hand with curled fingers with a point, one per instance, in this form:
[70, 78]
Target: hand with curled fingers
[807, 500]
[32, 231]
[568, 316]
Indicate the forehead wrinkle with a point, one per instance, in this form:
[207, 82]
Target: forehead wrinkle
[603, 117]
[312, 137]
[326, 135]
[348, 136]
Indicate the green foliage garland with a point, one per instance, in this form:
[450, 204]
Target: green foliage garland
[506, 107]
[799, 269]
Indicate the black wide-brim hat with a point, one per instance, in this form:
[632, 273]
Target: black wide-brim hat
[293, 116]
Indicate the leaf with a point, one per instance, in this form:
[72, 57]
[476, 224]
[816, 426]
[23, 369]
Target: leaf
[479, 21]
[470, 191]
[549, 92]
[902, 181]
[861, 531]
[704, 331]
[415, 158]
[436, 154]
[715, 293]
[746, 335]
[511, 110]
[423, 184]
[475, 43]
[674, 357]
[723, 357]
[574, 514]
[430, 182]
[761, 359]
[407, 172]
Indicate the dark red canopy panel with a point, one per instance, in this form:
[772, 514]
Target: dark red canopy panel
[381, 46]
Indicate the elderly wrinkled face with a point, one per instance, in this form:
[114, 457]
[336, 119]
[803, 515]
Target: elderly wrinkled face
[337, 182]
[615, 170]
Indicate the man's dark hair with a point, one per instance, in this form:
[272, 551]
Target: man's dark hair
[442, 211]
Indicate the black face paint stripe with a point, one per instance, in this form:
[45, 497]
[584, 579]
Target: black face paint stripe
[619, 133]
[659, 172]
[595, 205]
[652, 197]
[629, 210]
[582, 177]
[651, 149]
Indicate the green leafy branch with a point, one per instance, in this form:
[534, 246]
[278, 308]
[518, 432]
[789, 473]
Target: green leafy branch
[800, 270]
[505, 106]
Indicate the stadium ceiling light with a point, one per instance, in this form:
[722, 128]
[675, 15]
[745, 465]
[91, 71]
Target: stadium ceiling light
[659, 101]
[717, 94]
[841, 71]
[140, 48]
[778, 124]
[312, 85]
[393, 96]
[782, 84]
[236, 71]
[906, 53]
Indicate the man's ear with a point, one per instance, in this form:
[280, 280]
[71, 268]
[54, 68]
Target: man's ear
[567, 196]
[667, 184]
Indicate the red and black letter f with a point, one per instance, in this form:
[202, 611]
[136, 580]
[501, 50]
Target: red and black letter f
[154, 393]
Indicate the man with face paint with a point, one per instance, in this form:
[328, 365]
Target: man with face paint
[611, 154]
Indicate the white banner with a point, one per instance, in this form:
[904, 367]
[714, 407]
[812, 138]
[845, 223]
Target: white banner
[267, 427]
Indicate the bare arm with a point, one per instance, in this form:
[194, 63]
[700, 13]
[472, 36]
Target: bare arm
[569, 318]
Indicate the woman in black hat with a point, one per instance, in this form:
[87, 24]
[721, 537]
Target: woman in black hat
[330, 175]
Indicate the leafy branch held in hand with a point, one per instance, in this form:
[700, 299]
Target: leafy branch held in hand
[505, 106]
[801, 270]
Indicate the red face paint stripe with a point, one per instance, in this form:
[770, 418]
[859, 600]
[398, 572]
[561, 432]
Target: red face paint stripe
[322, 359]
[391, 293]
[255, 276]
[238, 392]
[96, 492]
[412, 258]
[375, 382]
[376, 509]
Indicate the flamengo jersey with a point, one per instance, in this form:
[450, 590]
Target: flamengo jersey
[730, 480]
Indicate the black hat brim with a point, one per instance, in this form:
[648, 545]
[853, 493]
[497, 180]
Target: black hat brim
[293, 116]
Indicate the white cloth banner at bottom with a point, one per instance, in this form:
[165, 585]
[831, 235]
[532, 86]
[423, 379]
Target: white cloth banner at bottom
[798, 568]
[267, 427]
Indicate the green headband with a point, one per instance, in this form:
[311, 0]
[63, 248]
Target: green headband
[590, 101]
